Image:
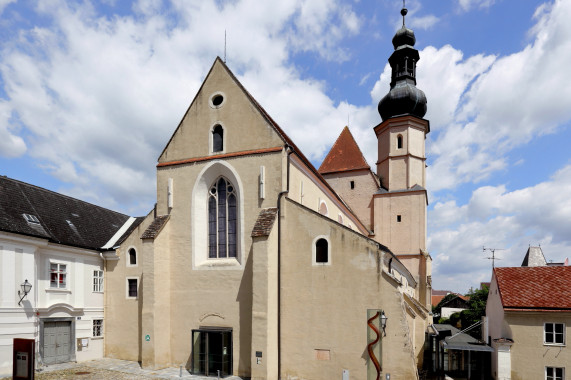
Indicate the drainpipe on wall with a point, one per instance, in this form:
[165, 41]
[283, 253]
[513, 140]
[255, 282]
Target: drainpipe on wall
[289, 150]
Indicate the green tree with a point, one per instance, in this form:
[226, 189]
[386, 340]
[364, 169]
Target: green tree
[476, 310]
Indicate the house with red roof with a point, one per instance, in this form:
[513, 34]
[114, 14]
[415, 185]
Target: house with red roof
[529, 317]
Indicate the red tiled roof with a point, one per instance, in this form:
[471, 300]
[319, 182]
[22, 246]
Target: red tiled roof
[344, 155]
[525, 288]
[439, 296]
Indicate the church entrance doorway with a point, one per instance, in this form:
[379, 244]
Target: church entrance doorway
[212, 351]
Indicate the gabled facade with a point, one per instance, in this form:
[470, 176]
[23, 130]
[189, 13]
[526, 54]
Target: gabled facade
[254, 264]
[529, 322]
[53, 242]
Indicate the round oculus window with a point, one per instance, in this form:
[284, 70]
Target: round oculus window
[217, 100]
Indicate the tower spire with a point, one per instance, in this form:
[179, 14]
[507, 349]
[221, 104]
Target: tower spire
[404, 98]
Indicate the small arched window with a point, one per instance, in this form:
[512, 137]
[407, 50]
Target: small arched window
[132, 257]
[321, 251]
[222, 219]
[323, 209]
[217, 139]
[399, 142]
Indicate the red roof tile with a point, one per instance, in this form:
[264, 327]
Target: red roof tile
[344, 155]
[526, 288]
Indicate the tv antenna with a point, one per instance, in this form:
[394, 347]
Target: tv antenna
[493, 250]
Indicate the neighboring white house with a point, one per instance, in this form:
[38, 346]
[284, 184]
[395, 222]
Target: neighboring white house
[53, 242]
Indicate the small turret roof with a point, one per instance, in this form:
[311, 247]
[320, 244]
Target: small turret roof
[344, 155]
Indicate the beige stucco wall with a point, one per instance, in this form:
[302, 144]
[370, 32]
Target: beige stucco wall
[324, 307]
[529, 355]
[123, 316]
[306, 189]
[219, 295]
[244, 127]
[409, 235]
[405, 167]
[360, 197]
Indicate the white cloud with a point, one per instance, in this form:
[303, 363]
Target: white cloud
[424, 22]
[11, 145]
[497, 218]
[99, 96]
[466, 5]
[4, 4]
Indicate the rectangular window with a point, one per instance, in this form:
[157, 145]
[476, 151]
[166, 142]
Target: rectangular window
[97, 281]
[97, 327]
[554, 373]
[352, 185]
[58, 276]
[554, 333]
[132, 287]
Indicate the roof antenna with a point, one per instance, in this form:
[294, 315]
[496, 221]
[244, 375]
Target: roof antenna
[225, 45]
[493, 250]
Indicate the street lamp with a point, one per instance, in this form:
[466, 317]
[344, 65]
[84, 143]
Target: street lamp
[26, 287]
[383, 322]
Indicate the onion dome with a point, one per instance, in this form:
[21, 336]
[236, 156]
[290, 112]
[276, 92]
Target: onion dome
[404, 98]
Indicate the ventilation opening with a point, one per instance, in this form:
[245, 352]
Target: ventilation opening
[217, 100]
[399, 218]
[352, 185]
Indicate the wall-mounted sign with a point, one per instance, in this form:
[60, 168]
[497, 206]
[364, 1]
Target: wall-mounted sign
[147, 337]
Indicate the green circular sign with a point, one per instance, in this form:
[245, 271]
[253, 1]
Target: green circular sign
[147, 337]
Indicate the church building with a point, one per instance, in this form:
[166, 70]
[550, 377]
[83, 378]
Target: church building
[256, 264]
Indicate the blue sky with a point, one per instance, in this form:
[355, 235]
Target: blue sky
[90, 92]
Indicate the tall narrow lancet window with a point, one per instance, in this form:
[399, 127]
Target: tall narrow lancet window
[222, 219]
[218, 139]
[399, 142]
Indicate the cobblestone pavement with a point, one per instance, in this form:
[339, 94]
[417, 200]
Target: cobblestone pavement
[112, 369]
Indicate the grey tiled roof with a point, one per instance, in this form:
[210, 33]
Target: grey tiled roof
[265, 222]
[155, 227]
[62, 219]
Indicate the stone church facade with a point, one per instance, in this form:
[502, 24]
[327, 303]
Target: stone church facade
[254, 263]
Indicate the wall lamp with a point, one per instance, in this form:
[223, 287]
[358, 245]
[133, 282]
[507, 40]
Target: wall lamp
[383, 322]
[26, 287]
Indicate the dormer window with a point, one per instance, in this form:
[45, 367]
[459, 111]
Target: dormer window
[217, 138]
[31, 218]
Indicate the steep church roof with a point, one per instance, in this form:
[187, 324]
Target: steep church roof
[535, 288]
[344, 155]
[33, 211]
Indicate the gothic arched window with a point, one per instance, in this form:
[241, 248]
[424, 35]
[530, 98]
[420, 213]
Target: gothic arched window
[218, 139]
[222, 219]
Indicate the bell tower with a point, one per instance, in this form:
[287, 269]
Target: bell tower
[400, 204]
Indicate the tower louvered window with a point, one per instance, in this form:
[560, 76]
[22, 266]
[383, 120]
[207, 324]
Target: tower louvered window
[222, 219]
